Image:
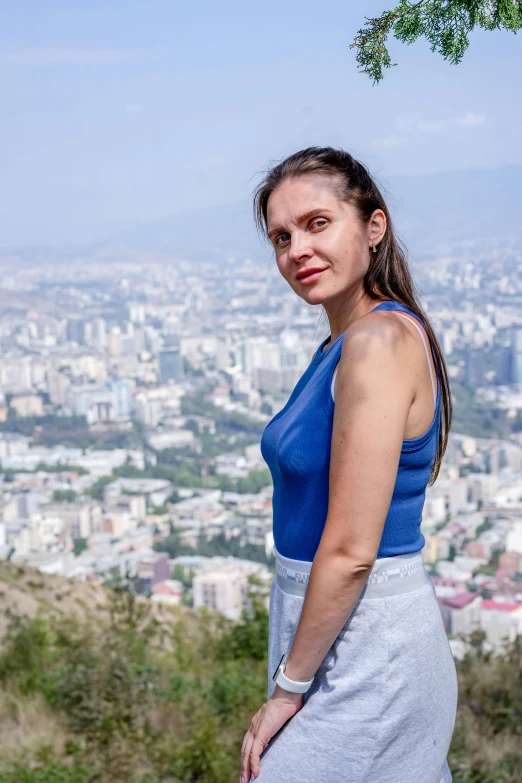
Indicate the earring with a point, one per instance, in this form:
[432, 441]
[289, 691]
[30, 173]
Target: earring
[374, 248]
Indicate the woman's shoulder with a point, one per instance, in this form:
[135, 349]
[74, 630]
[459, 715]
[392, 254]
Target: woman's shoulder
[377, 348]
[378, 332]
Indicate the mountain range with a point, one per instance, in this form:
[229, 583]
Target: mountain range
[433, 213]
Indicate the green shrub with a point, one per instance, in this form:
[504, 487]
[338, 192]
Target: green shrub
[49, 773]
[141, 702]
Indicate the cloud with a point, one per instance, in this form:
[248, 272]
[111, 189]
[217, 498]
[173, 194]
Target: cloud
[412, 129]
[408, 125]
[430, 127]
[470, 120]
[66, 56]
[414, 125]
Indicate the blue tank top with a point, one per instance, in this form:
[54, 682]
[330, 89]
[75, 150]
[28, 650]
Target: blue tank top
[296, 446]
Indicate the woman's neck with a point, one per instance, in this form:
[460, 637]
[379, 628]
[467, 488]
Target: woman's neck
[340, 321]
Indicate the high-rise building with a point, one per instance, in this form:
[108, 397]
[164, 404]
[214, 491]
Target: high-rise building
[94, 402]
[99, 333]
[152, 340]
[171, 366]
[516, 355]
[114, 341]
[76, 330]
[503, 374]
[122, 398]
[136, 312]
[57, 385]
[474, 367]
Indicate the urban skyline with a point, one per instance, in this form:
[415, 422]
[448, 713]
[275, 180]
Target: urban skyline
[134, 393]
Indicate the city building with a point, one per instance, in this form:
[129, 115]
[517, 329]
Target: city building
[461, 613]
[170, 366]
[27, 405]
[152, 570]
[169, 592]
[501, 621]
[222, 590]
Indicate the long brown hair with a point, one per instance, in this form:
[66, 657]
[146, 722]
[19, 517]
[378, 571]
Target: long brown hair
[388, 276]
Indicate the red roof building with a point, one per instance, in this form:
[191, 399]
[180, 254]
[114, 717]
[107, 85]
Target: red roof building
[500, 606]
[461, 613]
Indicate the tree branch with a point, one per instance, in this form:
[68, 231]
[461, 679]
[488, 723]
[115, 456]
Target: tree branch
[444, 23]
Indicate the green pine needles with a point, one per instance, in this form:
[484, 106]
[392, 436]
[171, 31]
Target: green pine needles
[446, 25]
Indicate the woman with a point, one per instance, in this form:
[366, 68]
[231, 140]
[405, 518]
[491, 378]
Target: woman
[364, 687]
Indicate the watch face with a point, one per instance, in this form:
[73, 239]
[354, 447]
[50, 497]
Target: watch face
[276, 673]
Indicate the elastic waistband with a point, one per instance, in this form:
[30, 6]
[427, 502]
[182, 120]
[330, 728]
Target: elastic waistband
[389, 575]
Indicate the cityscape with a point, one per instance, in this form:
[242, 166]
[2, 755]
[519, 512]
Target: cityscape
[134, 390]
[147, 339]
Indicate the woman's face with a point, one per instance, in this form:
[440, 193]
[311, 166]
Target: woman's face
[322, 247]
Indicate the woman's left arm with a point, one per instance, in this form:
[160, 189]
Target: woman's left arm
[375, 388]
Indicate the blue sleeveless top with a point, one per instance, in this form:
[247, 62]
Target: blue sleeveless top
[296, 446]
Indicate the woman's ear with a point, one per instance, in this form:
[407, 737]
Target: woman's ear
[376, 227]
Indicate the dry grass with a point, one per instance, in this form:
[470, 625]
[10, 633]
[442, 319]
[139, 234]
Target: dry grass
[27, 725]
[481, 742]
[25, 591]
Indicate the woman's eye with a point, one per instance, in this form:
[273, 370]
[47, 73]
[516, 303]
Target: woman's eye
[318, 223]
[282, 238]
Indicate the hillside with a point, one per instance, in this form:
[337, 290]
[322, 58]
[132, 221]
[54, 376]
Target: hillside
[432, 213]
[97, 686]
[26, 592]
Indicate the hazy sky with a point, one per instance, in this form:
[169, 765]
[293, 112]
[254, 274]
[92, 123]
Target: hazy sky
[119, 111]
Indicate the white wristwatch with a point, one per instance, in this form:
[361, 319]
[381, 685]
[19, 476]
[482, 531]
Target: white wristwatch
[284, 682]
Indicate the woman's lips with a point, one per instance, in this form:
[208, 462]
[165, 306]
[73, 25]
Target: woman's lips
[311, 278]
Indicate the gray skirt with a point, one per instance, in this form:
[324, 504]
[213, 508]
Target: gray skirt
[383, 703]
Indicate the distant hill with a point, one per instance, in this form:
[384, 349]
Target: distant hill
[207, 233]
[443, 209]
[432, 212]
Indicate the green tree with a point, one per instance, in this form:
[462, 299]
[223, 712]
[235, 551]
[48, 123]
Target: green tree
[141, 699]
[446, 25]
[96, 491]
[80, 545]
[64, 495]
[171, 544]
[178, 572]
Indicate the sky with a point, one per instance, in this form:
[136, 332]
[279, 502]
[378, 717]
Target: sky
[115, 113]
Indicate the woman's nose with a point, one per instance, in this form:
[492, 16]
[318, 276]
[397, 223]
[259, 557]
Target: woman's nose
[299, 248]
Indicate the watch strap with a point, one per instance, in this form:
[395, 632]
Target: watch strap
[293, 686]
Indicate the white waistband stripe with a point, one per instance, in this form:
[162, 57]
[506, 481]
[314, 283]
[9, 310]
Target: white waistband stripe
[389, 575]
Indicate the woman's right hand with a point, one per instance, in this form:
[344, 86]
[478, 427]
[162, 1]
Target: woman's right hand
[280, 708]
